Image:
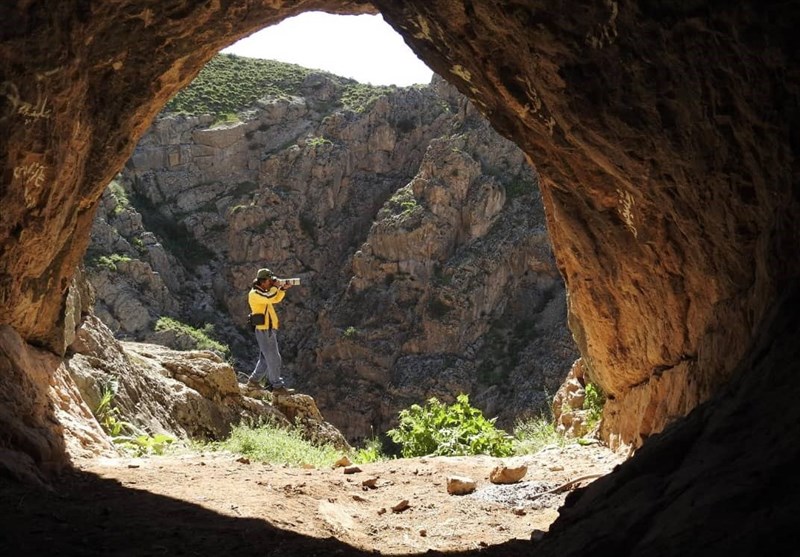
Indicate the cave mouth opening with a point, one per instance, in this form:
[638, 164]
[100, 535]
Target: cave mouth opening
[243, 181]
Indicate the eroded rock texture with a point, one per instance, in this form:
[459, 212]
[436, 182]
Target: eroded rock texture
[417, 230]
[666, 136]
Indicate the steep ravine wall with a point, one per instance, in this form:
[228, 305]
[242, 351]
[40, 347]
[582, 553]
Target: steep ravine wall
[418, 233]
[665, 133]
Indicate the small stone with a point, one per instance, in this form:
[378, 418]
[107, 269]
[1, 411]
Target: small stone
[359, 499]
[460, 485]
[537, 535]
[352, 470]
[371, 483]
[505, 475]
[555, 468]
[243, 460]
[519, 511]
[401, 506]
[381, 511]
[342, 462]
[423, 532]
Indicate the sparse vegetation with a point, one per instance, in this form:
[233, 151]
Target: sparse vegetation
[228, 84]
[449, 430]
[372, 451]
[124, 434]
[202, 337]
[109, 262]
[318, 142]
[593, 404]
[534, 434]
[401, 204]
[270, 443]
[350, 332]
[359, 97]
[119, 194]
[438, 309]
[138, 243]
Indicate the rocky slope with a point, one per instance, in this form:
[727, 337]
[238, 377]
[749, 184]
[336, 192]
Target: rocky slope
[417, 231]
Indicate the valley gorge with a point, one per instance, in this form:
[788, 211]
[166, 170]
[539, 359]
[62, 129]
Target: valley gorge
[417, 232]
[665, 139]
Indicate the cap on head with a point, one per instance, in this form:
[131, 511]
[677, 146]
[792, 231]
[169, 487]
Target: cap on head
[264, 274]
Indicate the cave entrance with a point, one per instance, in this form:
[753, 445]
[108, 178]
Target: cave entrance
[311, 178]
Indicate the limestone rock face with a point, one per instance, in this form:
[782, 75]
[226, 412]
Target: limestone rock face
[38, 393]
[191, 394]
[417, 230]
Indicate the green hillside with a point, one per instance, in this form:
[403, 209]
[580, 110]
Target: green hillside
[229, 83]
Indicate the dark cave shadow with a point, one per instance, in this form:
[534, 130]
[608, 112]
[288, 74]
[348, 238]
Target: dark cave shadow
[86, 515]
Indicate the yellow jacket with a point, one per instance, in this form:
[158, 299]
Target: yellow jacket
[263, 301]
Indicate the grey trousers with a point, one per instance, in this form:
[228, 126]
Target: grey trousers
[269, 358]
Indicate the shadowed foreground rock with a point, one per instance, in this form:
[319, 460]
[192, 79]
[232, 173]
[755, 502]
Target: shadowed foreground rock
[665, 135]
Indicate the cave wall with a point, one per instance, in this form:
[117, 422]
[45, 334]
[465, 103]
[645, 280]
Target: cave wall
[664, 132]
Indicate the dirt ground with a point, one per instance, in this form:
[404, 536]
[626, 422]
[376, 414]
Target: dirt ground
[219, 504]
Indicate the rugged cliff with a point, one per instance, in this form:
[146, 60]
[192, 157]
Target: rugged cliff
[418, 233]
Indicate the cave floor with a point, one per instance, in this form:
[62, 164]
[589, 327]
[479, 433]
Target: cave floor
[218, 504]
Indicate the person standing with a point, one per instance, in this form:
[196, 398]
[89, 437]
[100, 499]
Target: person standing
[265, 292]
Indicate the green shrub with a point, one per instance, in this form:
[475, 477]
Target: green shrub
[457, 429]
[318, 142]
[109, 261]
[202, 337]
[593, 404]
[271, 443]
[350, 332]
[120, 196]
[401, 204]
[138, 243]
[372, 451]
[124, 434]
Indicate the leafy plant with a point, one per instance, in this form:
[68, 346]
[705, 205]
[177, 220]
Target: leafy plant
[145, 444]
[202, 337]
[441, 429]
[372, 451]
[593, 404]
[124, 434]
[108, 415]
[350, 332]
